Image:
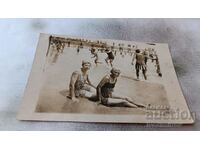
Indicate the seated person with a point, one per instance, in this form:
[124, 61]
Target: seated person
[105, 92]
[80, 85]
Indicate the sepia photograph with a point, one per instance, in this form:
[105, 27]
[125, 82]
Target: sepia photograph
[83, 76]
[131, 81]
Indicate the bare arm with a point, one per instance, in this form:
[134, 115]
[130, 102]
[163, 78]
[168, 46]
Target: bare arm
[155, 57]
[102, 82]
[89, 82]
[73, 80]
[134, 56]
[93, 56]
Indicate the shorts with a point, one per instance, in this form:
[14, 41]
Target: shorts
[139, 66]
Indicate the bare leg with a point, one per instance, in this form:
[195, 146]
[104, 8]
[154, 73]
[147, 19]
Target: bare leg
[92, 90]
[89, 91]
[144, 74]
[111, 62]
[137, 73]
[135, 103]
[120, 102]
[128, 99]
[137, 70]
[95, 63]
[89, 94]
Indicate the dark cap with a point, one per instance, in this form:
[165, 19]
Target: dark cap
[115, 71]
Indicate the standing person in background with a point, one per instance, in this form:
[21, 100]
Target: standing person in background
[140, 63]
[158, 71]
[146, 56]
[110, 57]
[94, 52]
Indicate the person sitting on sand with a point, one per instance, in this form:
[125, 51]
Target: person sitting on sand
[80, 85]
[105, 92]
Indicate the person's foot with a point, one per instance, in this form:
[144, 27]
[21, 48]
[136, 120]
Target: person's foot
[67, 96]
[134, 106]
[132, 63]
[160, 74]
[75, 99]
[145, 77]
[141, 105]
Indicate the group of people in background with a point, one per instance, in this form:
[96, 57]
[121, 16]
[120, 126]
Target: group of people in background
[81, 86]
[140, 57]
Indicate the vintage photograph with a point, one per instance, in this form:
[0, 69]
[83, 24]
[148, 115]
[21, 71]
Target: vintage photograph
[89, 76]
[83, 76]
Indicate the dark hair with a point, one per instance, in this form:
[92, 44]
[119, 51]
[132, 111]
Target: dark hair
[137, 51]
